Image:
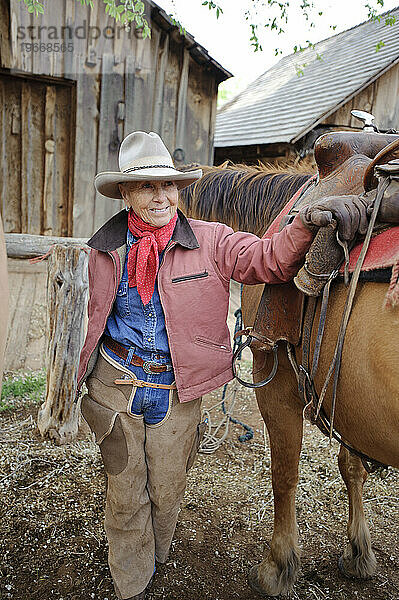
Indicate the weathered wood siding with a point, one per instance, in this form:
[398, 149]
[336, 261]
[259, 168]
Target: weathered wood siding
[380, 98]
[26, 337]
[104, 83]
[36, 142]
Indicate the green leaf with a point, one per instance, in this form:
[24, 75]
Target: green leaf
[30, 8]
[146, 31]
[120, 8]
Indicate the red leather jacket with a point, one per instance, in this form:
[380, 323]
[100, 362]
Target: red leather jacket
[193, 282]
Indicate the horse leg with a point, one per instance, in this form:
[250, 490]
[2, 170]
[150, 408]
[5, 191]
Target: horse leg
[282, 414]
[358, 559]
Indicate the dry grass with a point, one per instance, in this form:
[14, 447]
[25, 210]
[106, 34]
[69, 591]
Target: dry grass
[53, 546]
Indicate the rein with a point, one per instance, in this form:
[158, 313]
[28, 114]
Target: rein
[252, 335]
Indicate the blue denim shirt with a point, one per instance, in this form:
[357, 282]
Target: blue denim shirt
[130, 322]
[142, 331]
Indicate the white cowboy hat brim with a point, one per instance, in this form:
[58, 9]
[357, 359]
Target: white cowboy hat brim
[107, 182]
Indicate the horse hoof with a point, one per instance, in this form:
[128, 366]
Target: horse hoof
[254, 584]
[349, 573]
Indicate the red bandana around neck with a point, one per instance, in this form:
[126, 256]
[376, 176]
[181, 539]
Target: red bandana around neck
[143, 257]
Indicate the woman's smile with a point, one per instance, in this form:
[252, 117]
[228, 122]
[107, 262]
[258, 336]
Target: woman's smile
[160, 210]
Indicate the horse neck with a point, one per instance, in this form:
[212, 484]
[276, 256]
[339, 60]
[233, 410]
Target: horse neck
[246, 201]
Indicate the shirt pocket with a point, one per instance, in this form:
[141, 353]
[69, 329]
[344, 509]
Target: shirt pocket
[122, 299]
[190, 277]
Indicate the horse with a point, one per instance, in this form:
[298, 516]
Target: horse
[367, 407]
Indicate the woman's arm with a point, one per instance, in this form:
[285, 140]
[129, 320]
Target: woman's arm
[248, 259]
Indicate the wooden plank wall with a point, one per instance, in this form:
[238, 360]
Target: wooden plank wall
[35, 135]
[198, 115]
[379, 98]
[120, 83]
[10, 126]
[26, 339]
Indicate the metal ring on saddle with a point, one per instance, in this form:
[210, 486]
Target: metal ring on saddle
[238, 351]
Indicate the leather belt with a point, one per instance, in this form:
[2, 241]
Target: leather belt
[137, 361]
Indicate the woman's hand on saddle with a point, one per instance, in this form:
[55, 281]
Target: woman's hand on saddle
[349, 213]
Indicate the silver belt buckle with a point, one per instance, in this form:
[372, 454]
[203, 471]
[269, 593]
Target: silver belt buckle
[147, 367]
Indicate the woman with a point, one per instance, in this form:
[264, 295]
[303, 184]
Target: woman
[157, 340]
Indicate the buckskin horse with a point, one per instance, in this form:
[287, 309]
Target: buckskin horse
[367, 408]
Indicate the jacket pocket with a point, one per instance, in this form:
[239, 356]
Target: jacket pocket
[190, 277]
[106, 425]
[199, 434]
[203, 341]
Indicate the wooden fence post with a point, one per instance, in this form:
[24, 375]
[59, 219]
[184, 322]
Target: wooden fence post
[67, 287]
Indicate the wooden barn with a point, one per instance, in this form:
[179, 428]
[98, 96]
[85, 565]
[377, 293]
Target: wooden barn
[73, 84]
[278, 117]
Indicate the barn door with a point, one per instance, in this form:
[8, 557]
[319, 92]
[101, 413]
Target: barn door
[36, 136]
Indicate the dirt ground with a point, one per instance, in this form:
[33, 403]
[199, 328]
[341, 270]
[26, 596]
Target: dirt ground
[52, 543]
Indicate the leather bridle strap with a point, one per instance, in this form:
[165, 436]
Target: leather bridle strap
[303, 379]
[322, 323]
[336, 361]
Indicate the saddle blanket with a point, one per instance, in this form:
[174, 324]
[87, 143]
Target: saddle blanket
[383, 251]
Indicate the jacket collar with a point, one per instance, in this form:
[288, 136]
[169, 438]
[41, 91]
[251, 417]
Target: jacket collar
[112, 234]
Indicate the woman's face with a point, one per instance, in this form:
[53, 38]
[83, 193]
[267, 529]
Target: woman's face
[155, 202]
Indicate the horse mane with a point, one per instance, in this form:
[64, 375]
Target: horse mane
[245, 197]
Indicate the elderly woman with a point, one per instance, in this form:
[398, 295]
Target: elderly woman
[157, 341]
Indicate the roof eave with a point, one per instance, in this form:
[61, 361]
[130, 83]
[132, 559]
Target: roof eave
[199, 54]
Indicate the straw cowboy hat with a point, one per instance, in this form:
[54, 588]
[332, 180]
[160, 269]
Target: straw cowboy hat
[142, 157]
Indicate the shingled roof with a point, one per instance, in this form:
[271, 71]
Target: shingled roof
[281, 106]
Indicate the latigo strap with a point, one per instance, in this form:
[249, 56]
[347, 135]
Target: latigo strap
[140, 383]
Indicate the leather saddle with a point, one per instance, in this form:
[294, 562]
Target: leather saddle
[344, 159]
[345, 162]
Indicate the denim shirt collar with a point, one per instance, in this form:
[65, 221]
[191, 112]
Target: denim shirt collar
[130, 239]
